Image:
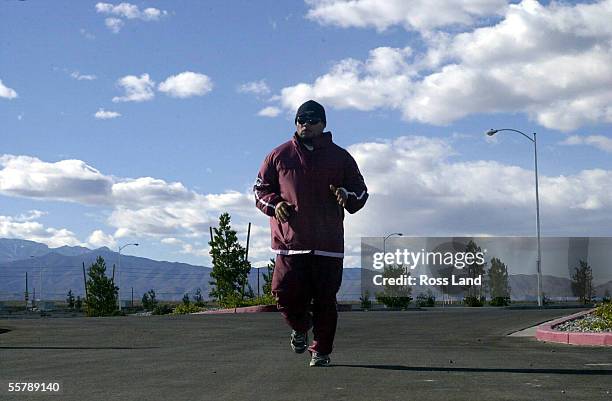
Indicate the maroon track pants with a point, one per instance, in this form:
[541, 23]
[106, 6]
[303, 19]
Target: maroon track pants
[299, 280]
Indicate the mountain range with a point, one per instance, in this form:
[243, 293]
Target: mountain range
[61, 269]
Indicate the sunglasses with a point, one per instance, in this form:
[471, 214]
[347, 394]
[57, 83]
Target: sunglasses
[309, 120]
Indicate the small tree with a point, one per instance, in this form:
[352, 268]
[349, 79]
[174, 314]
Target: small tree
[473, 270]
[70, 299]
[498, 283]
[78, 304]
[198, 299]
[606, 297]
[149, 302]
[101, 290]
[267, 277]
[186, 299]
[394, 296]
[365, 301]
[582, 282]
[230, 268]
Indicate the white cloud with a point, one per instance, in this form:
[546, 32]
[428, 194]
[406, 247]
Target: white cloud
[197, 251]
[552, 62]
[127, 11]
[137, 89]
[26, 227]
[82, 77]
[186, 84]
[270, 111]
[130, 11]
[599, 141]
[437, 196]
[419, 15]
[102, 114]
[86, 34]
[383, 80]
[415, 186]
[7, 92]
[171, 241]
[259, 88]
[75, 180]
[67, 180]
[149, 191]
[114, 24]
[98, 239]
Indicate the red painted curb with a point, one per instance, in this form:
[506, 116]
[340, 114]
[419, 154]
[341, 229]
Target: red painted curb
[546, 332]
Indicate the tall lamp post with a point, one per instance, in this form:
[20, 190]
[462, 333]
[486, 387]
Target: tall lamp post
[384, 244]
[40, 271]
[492, 132]
[119, 271]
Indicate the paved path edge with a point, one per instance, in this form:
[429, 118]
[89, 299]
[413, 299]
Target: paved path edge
[546, 332]
[260, 308]
[245, 309]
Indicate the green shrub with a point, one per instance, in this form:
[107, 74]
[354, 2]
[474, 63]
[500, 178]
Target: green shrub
[162, 309]
[604, 311]
[395, 296]
[183, 309]
[473, 301]
[365, 301]
[602, 321]
[266, 299]
[426, 299]
[500, 301]
[393, 302]
[236, 301]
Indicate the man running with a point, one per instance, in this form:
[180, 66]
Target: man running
[305, 185]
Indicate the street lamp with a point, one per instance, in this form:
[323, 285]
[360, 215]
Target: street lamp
[387, 237]
[385, 248]
[492, 132]
[40, 270]
[119, 271]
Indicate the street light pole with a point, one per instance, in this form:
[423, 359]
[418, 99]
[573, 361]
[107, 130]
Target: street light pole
[119, 272]
[40, 279]
[539, 261]
[492, 132]
[385, 248]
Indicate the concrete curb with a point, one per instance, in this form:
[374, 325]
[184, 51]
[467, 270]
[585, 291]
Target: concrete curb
[546, 332]
[245, 309]
[259, 309]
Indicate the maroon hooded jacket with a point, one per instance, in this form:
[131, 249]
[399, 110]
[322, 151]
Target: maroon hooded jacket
[302, 178]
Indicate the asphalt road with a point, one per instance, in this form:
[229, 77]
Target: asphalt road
[434, 354]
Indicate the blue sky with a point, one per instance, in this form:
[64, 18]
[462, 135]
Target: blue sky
[408, 89]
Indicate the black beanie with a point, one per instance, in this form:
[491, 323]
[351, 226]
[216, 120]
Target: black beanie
[311, 109]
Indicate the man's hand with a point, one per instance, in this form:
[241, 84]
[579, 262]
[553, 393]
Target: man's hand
[282, 211]
[340, 194]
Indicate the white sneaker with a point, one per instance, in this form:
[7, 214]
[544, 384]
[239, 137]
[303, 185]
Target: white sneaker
[319, 359]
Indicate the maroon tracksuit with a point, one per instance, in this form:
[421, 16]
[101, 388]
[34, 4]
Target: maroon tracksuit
[310, 245]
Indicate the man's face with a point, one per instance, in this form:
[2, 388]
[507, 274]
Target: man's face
[309, 127]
